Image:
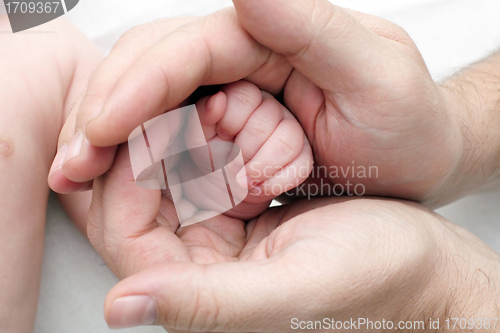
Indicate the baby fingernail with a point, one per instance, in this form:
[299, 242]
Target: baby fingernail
[255, 190]
[243, 180]
[75, 146]
[132, 311]
[59, 159]
[223, 134]
[209, 103]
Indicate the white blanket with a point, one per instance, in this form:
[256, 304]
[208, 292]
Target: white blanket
[450, 34]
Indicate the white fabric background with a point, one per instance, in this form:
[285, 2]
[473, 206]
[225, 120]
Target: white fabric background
[450, 34]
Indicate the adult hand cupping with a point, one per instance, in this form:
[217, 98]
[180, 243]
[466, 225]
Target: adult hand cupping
[331, 258]
[357, 84]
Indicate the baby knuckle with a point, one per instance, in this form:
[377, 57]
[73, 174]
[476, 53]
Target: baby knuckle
[244, 93]
[285, 145]
[258, 130]
[229, 127]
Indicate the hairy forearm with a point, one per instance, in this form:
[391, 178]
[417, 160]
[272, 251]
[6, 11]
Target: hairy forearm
[471, 270]
[473, 96]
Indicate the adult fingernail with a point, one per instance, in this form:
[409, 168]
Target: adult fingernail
[75, 146]
[95, 117]
[131, 311]
[59, 159]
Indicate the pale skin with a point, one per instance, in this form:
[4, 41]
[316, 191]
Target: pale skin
[273, 144]
[258, 242]
[396, 259]
[275, 153]
[28, 138]
[399, 111]
[325, 258]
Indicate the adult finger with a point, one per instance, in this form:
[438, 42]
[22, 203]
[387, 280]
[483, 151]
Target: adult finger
[319, 39]
[253, 295]
[82, 160]
[211, 50]
[131, 227]
[223, 297]
[257, 295]
[56, 179]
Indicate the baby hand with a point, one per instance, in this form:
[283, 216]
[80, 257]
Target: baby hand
[276, 152]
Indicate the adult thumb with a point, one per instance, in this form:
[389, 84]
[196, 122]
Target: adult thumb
[321, 40]
[223, 297]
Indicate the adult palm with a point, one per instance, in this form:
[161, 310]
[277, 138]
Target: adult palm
[325, 258]
[141, 229]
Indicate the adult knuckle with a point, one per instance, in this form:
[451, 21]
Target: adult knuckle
[200, 312]
[138, 35]
[141, 31]
[113, 245]
[205, 314]
[336, 22]
[94, 231]
[324, 19]
[93, 234]
[395, 32]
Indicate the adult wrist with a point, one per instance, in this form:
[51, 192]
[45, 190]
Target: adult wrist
[473, 99]
[478, 164]
[459, 181]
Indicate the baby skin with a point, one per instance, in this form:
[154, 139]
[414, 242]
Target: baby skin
[276, 153]
[42, 75]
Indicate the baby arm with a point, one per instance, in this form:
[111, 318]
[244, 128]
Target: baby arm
[42, 75]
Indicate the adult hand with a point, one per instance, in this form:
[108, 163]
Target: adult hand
[357, 84]
[325, 258]
[310, 260]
